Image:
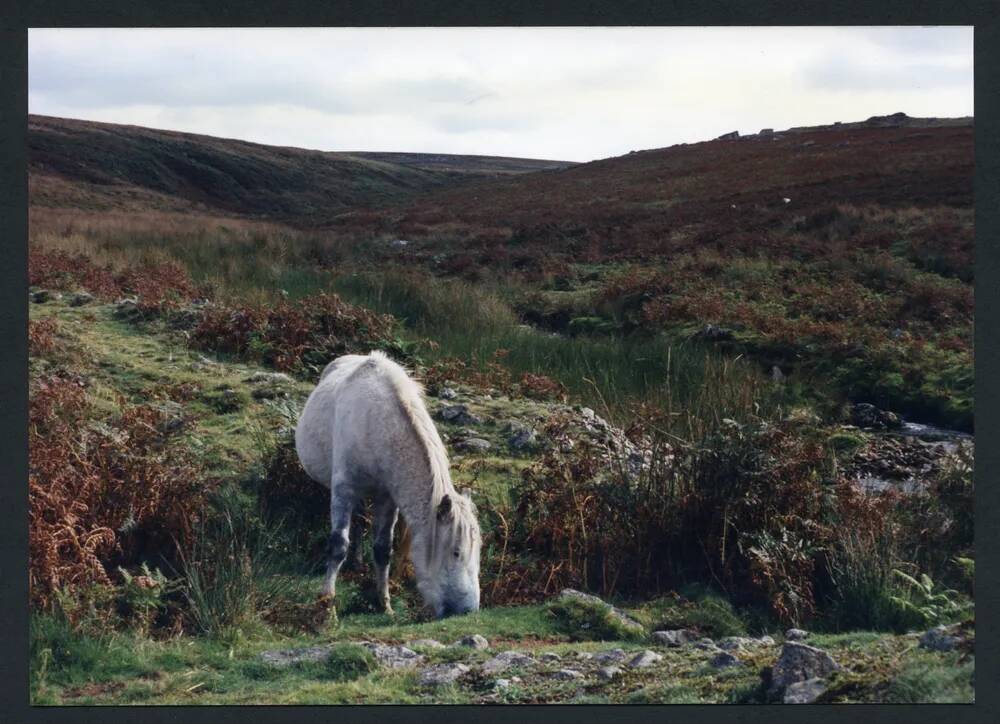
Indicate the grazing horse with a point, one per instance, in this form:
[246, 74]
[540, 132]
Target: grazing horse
[365, 432]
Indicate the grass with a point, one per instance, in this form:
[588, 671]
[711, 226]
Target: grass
[933, 679]
[618, 371]
[87, 667]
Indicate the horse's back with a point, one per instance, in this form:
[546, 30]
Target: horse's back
[352, 404]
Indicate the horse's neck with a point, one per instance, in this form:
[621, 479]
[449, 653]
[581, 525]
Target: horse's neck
[416, 498]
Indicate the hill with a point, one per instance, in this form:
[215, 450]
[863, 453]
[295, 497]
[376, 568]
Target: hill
[457, 164]
[104, 166]
[842, 251]
[690, 195]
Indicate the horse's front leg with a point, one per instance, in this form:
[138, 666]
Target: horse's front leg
[385, 522]
[342, 503]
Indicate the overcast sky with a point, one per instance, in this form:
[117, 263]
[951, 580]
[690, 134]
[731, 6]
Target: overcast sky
[558, 93]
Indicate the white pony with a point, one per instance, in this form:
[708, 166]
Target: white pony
[365, 431]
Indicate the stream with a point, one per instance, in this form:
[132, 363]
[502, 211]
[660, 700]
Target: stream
[917, 449]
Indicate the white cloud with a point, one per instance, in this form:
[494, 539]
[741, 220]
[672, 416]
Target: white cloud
[573, 93]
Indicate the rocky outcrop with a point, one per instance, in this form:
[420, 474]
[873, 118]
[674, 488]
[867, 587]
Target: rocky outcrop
[674, 638]
[627, 622]
[804, 692]
[941, 638]
[870, 417]
[475, 641]
[442, 674]
[458, 415]
[644, 659]
[797, 663]
[394, 657]
[506, 660]
[290, 657]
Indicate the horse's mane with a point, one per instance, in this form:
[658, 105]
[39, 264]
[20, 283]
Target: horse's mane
[409, 395]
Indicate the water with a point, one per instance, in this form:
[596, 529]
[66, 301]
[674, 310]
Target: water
[942, 441]
[929, 433]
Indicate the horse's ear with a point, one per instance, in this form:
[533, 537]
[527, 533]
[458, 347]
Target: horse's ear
[444, 507]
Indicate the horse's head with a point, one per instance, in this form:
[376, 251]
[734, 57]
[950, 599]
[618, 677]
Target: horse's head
[451, 583]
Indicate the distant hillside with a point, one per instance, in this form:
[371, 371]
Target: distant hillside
[480, 165]
[688, 195]
[104, 166]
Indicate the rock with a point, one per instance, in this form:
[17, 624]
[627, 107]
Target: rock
[442, 674]
[41, 296]
[584, 655]
[80, 299]
[567, 674]
[677, 637]
[258, 378]
[712, 333]
[474, 444]
[459, 415]
[501, 684]
[796, 634]
[447, 393]
[799, 662]
[427, 644]
[766, 641]
[522, 437]
[940, 638]
[706, 645]
[609, 656]
[607, 673]
[289, 657]
[550, 656]
[734, 643]
[868, 416]
[507, 659]
[766, 132]
[127, 309]
[394, 657]
[269, 393]
[475, 641]
[804, 692]
[731, 136]
[187, 318]
[724, 659]
[620, 616]
[644, 660]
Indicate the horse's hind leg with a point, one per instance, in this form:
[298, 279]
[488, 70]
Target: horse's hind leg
[341, 506]
[384, 523]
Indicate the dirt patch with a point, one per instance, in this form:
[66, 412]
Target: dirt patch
[95, 690]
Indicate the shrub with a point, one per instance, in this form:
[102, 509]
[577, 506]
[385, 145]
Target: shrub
[143, 595]
[701, 610]
[299, 336]
[157, 286]
[101, 493]
[742, 508]
[863, 586]
[42, 336]
[230, 575]
[923, 600]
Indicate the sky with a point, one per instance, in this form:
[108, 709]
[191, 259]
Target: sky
[573, 94]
